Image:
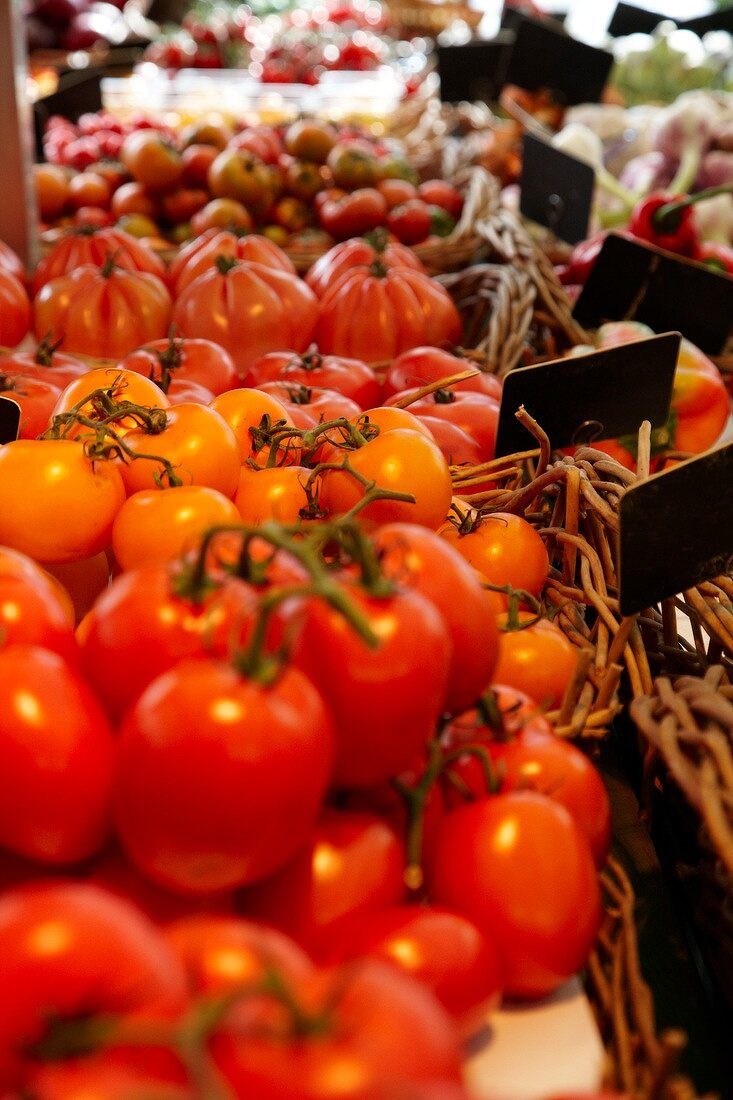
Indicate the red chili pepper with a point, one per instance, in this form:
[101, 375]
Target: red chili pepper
[668, 222]
[716, 255]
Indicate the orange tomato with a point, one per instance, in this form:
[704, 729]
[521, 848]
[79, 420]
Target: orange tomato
[243, 409]
[537, 659]
[271, 494]
[505, 549]
[151, 160]
[400, 460]
[126, 385]
[56, 505]
[154, 526]
[199, 444]
[51, 184]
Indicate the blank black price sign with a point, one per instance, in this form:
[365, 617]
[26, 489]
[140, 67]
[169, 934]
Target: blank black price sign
[474, 72]
[602, 395]
[556, 190]
[676, 530]
[544, 56]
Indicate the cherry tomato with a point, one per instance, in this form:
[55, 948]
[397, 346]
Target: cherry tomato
[519, 867]
[354, 213]
[194, 812]
[477, 414]
[70, 951]
[349, 863]
[57, 758]
[537, 659]
[505, 549]
[396, 191]
[410, 221]
[243, 409]
[384, 710]
[151, 160]
[440, 193]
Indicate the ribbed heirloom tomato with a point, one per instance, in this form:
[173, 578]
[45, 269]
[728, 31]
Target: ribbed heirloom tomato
[360, 253]
[199, 256]
[89, 245]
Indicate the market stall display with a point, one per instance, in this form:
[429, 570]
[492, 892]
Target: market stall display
[307, 675]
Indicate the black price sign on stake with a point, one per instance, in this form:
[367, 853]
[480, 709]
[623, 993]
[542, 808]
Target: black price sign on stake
[545, 57]
[628, 19]
[602, 395]
[9, 420]
[632, 280]
[676, 530]
[556, 190]
[474, 72]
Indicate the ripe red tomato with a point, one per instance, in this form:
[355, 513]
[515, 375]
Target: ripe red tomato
[351, 377]
[443, 950]
[477, 414]
[440, 193]
[85, 245]
[413, 556]
[263, 141]
[410, 221]
[360, 253]
[350, 862]
[506, 550]
[519, 867]
[105, 1078]
[353, 214]
[69, 951]
[374, 317]
[151, 160]
[383, 1031]
[223, 953]
[194, 812]
[15, 310]
[197, 159]
[384, 710]
[146, 622]
[199, 361]
[103, 312]
[56, 756]
[420, 366]
[37, 399]
[46, 363]
[199, 255]
[32, 612]
[537, 659]
[89, 189]
[319, 404]
[249, 309]
[396, 191]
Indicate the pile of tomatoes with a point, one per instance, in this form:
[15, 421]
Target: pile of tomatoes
[272, 701]
[307, 184]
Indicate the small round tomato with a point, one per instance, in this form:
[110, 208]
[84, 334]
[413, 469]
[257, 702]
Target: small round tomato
[51, 185]
[410, 221]
[89, 189]
[350, 862]
[57, 757]
[351, 377]
[440, 193]
[396, 191]
[518, 866]
[194, 812]
[420, 366]
[199, 361]
[505, 549]
[537, 659]
[243, 409]
[400, 460]
[32, 611]
[274, 493]
[309, 139]
[56, 505]
[151, 160]
[303, 180]
[292, 214]
[477, 414]
[197, 158]
[133, 198]
[154, 526]
[354, 214]
[352, 167]
[444, 950]
[198, 442]
[221, 214]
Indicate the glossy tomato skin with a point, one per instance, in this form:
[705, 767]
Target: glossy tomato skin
[223, 953]
[250, 310]
[359, 253]
[198, 257]
[36, 398]
[103, 1077]
[194, 360]
[45, 363]
[383, 708]
[354, 213]
[401, 460]
[140, 625]
[423, 365]
[85, 246]
[102, 314]
[243, 409]
[55, 504]
[196, 440]
[477, 414]
[386, 1033]
[351, 377]
[155, 526]
[57, 759]
[415, 557]
[15, 310]
[506, 550]
[375, 317]
[537, 659]
[72, 950]
[31, 613]
[194, 812]
[351, 862]
[444, 950]
[502, 862]
[275, 493]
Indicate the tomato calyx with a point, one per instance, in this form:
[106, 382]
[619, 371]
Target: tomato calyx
[444, 397]
[515, 597]
[102, 441]
[465, 522]
[109, 266]
[309, 360]
[378, 269]
[225, 264]
[10, 383]
[378, 239]
[46, 350]
[169, 360]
